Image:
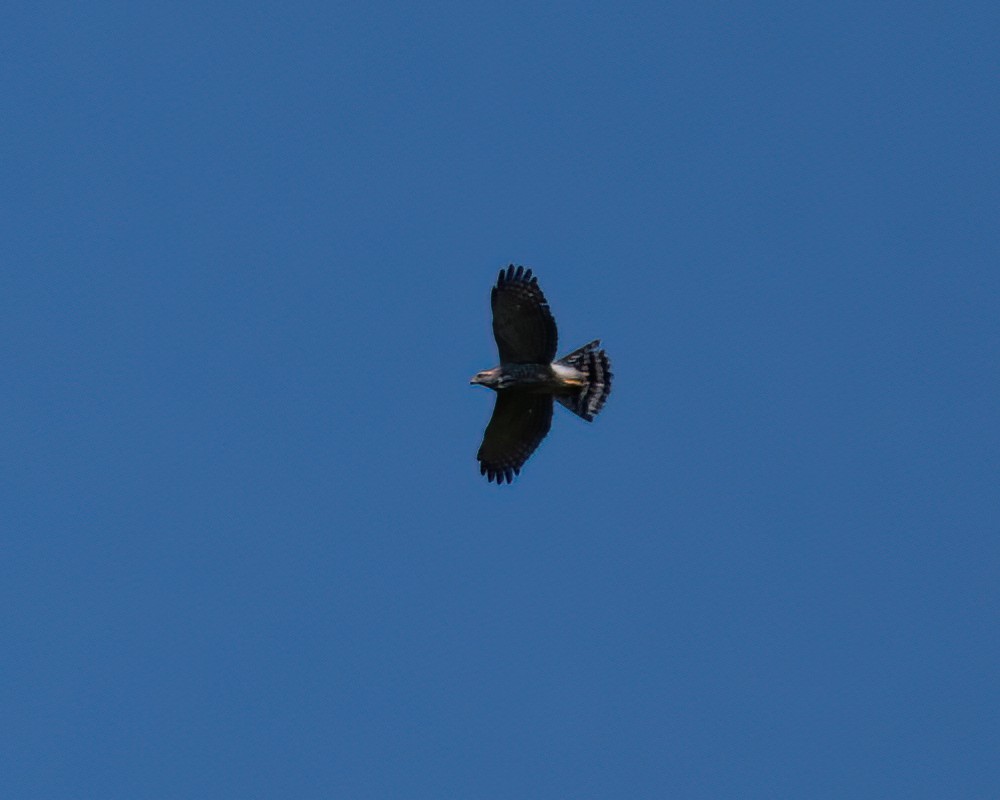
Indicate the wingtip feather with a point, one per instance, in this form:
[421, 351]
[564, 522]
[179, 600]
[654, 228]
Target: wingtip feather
[516, 274]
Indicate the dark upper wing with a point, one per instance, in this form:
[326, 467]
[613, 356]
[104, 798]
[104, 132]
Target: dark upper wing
[519, 423]
[522, 323]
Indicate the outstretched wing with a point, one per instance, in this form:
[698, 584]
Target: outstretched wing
[522, 323]
[518, 425]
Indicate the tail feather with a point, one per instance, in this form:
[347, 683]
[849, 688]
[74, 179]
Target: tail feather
[596, 366]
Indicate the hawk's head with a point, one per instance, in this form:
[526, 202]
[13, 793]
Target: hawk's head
[488, 377]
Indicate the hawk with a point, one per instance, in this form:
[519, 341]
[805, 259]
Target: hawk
[528, 379]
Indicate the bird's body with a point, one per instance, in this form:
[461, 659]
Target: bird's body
[528, 379]
[538, 378]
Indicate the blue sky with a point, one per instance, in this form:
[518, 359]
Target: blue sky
[246, 549]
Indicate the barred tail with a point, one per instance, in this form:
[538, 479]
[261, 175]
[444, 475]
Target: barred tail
[596, 366]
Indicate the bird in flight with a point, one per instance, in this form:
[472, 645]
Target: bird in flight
[528, 379]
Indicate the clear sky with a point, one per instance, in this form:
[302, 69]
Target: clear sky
[247, 250]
